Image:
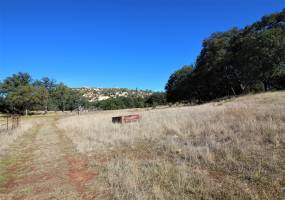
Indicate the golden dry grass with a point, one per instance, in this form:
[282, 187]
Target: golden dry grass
[7, 137]
[233, 149]
[26, 123]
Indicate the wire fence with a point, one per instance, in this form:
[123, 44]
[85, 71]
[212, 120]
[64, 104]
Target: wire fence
[9, 122]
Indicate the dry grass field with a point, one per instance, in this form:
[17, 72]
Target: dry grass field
[225, 150]
[7, 137]
[233, 149]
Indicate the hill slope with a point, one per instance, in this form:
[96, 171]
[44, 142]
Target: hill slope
[99, 94]
[221, 150]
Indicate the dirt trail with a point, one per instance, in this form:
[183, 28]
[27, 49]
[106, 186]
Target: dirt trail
[44, 164]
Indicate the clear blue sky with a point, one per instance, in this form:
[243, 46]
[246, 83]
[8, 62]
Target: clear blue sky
[114, 43]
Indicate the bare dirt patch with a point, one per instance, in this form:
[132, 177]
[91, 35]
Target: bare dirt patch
[79, 173]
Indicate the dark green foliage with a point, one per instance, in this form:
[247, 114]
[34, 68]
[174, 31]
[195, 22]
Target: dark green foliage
[235, 62]
[22, 98]
[19, 94]
[156, 99]
[260, 54]
[175, 85]
[120, 103]
[15, 81]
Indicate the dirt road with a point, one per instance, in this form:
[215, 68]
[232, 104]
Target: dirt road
[44, 164]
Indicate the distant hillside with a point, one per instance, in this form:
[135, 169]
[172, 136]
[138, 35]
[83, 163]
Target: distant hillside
[99, 94]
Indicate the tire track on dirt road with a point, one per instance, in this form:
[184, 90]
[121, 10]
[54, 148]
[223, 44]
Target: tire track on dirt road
[44, 164]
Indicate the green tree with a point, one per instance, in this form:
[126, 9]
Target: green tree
[46, 87]
[17, 93]
[60, 96]
[15, 81]
[22, 99]
[155, 99]
[120, 103]
[20, 94]
[209, 79]
[258, 53]
[235, 62]
[175, 89]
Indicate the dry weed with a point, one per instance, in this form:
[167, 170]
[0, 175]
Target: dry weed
[229, 150]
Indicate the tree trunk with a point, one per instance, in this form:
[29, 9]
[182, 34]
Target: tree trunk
[26, 112]
[266, 86]
[46, 109]
[233, 91]
[242, 87]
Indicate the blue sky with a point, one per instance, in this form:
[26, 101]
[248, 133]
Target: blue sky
[114, 43]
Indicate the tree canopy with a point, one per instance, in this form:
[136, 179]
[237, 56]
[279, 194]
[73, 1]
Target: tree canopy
[153, 100]
[235, 62]
[19, 93]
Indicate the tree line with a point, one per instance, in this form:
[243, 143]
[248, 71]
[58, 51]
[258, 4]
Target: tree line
[234, 62]
[133, 101]
[20, 94]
